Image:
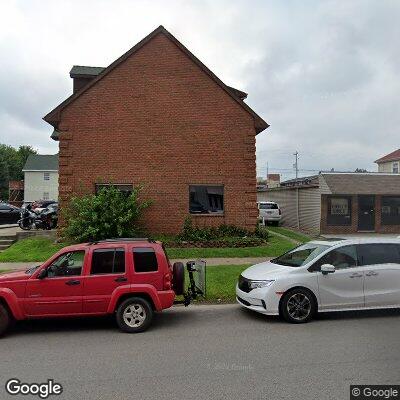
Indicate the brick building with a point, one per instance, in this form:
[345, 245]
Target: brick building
[157, 116]
[340, 203]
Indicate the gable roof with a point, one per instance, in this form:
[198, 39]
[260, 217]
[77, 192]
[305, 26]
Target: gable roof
[53, 116]
[41, 162]
[363, 183]
[393, 156]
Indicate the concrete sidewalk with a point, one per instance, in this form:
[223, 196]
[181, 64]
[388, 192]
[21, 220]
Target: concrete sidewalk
[209, 261]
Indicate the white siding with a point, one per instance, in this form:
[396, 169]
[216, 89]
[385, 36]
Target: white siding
[309, 207]
[35, 186]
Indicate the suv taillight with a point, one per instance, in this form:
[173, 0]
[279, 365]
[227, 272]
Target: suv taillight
[167, 281]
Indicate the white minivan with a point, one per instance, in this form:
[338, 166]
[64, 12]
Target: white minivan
[324, 276]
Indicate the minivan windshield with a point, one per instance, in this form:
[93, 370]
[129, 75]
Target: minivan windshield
[300, 255]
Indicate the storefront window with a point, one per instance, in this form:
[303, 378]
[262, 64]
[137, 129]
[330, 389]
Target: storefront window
[390, 210]
[339, 210]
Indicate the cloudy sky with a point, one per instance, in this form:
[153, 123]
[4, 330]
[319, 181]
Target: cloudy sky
[323, 74]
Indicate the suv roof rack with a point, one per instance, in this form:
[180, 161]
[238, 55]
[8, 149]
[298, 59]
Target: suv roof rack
[112, 240]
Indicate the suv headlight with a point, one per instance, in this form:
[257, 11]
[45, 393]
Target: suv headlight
[260, 284]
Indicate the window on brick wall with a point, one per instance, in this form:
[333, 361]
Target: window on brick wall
[339, 210]
[390, 211]
[123, 187]
[206, 199]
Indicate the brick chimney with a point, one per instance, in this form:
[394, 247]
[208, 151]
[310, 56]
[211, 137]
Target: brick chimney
[82, 75]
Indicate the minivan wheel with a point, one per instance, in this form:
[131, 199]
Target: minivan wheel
[134, 315]
[5, 320]
[298, 306]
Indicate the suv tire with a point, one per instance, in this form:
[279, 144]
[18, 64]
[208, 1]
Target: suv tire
[178, 278]
[134, 315]
[298, 306]
[5, 320]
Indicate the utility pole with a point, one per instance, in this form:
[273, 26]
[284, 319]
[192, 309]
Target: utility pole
[296, 167]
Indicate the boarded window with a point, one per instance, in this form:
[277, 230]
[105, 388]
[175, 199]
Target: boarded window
[339, 210]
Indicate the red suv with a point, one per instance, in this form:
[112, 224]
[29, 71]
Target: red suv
[129, 277]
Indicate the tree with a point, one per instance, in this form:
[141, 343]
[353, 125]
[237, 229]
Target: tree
[12, 162]
[360, 170]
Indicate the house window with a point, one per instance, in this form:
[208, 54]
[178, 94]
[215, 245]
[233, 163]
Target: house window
[46, 196]
[395, 167]
[204, 199]
[46, 176]
[390, 211]
[339, 210]
[123, 187]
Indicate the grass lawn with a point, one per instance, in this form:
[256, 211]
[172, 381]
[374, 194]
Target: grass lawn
[31, 249]
[276, 246]
[221, 282]
[300, 237]
[40, 249]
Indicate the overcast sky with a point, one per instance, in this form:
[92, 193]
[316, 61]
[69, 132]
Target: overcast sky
[323, 74]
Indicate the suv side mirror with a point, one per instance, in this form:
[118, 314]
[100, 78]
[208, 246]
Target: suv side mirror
[42, 274]
[327, 269]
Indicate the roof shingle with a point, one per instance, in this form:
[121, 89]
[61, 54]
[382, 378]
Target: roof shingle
[41, 162]
[393, 156]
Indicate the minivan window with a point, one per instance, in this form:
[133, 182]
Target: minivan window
[379, 253]
[300, 255]
[341, 258]
[268, 206]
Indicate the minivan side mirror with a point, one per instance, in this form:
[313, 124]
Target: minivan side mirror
[42, 274]
[327, 269]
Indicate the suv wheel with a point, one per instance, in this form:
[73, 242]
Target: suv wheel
[298, 306]
[134, 315]
[5, 320]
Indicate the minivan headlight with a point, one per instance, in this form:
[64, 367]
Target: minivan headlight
[260, 284]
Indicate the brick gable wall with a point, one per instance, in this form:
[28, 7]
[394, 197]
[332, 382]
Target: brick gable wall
[158, 119]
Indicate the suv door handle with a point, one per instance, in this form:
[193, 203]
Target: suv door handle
[73, 283]
[356, 275]
[121, 279]
[372, 273]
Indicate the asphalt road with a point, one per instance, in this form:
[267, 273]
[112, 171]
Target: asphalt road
[207, 352]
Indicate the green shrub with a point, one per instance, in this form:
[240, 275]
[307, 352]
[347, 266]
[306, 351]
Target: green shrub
[195, 234]
[108, 214]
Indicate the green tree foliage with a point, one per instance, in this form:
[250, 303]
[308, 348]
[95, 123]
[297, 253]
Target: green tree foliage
[108, 214]
[11, 163]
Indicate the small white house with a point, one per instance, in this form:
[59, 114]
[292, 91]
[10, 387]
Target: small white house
[41, 177]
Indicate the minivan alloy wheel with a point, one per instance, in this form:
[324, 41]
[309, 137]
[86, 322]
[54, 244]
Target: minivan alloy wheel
[299, 306]
[134, 315]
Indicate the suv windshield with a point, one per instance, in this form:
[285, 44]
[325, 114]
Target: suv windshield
[300, 255]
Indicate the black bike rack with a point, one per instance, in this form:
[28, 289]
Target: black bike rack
[193, 291]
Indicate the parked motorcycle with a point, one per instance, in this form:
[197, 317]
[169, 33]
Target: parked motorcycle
[45, 219]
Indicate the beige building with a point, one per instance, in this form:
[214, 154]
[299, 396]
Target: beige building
[389, 163]
[41, 177]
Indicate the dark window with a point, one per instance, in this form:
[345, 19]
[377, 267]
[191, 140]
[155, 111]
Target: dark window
[68, 264]
[390, 210]
[108, 261]
[268, 206]
[339, 210]
[206, 199]
[125, 188]
[145, 260]
[379, 253]
[341, 258]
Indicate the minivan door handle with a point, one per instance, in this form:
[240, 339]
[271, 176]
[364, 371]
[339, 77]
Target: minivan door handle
[73, 282]
[356, 275]
[121, 279]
